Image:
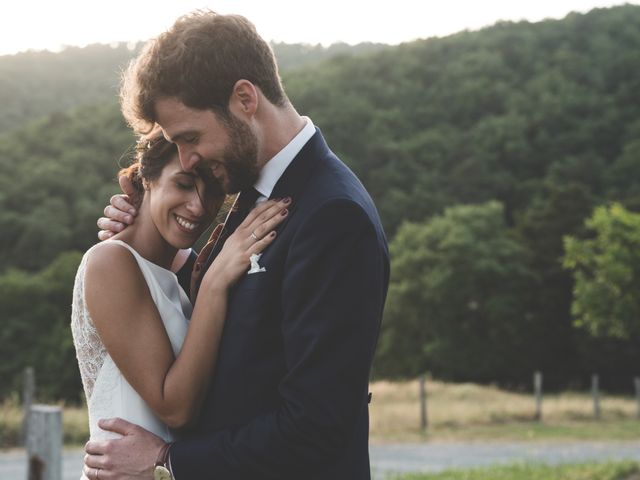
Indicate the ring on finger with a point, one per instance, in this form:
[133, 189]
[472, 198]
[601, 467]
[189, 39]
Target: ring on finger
[254, 236]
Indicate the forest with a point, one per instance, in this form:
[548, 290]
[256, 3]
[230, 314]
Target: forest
[504, 163]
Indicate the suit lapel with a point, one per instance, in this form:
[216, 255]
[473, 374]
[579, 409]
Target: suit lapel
[294, 179]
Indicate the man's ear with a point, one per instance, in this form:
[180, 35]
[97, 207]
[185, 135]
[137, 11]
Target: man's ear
[244, 99]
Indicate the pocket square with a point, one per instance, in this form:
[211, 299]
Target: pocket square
[255, 267]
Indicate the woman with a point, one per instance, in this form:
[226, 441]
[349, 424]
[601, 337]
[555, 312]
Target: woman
[140, 358]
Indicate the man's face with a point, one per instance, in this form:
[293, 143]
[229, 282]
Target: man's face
[227, 147]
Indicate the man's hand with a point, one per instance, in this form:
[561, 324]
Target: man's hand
[131, 457]
[120, 212]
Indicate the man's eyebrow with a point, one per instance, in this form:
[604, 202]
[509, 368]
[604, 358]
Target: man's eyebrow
[179, 136]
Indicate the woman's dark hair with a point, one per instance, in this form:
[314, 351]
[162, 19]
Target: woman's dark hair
[152, 154]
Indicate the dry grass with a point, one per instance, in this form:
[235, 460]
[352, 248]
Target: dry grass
[461, 409]
[75, 424]
[455, 412]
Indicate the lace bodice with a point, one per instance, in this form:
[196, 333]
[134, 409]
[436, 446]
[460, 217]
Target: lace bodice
[108, 392]
[90, 351]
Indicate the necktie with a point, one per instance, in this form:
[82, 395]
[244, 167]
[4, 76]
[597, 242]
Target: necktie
[245, 201]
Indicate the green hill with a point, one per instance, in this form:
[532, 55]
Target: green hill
[507, 113]
[35, 84]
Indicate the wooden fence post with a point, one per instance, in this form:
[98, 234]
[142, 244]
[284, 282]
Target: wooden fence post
[595, 393]
[28, 396]
[44, 443]
[423, 403]
[537, 388]
[636, 383]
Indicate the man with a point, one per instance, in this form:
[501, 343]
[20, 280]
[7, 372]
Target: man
[289, 397]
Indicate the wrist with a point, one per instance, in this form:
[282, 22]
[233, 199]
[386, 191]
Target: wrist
[162, 468]
[216, 283]
[163, 455]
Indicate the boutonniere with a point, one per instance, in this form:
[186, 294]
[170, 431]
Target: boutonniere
[255, 267]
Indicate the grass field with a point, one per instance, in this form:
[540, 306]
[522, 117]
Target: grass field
[474, 412]
[74, 419]
[590, 471]
[455, 412]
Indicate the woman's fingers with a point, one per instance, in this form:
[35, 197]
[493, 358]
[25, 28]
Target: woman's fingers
[263, 229]
[264, 220]
[261, 244]
[271, 212]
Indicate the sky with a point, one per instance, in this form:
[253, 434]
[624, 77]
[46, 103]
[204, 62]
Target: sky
[53, 24]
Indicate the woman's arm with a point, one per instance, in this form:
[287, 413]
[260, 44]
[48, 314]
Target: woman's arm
[131, 328]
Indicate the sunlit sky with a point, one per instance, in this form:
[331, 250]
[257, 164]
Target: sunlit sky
[53, 24]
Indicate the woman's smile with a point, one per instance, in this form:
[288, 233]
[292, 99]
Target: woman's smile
[187, 225]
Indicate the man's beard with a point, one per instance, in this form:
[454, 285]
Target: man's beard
[240, 158]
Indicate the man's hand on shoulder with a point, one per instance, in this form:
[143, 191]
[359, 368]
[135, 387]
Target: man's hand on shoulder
[132, 457]
[120, 212]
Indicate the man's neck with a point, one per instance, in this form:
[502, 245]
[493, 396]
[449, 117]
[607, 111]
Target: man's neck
[281, 125]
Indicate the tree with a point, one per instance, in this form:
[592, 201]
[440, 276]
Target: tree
[36, 313]
[606, 269]
[458, 298]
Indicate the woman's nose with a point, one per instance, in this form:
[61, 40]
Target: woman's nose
[195, 205]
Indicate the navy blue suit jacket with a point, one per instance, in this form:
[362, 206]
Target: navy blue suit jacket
[288, 399]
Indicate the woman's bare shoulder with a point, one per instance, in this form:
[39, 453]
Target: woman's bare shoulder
[110, 257]
[112, 272]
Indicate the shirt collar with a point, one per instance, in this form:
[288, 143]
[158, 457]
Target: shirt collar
[274, 168]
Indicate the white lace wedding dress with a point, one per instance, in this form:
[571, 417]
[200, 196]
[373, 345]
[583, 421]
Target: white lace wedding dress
[108, 392]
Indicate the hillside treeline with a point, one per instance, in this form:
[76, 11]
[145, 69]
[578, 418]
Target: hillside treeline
[482, 150]
[542, 118]
[34, 84]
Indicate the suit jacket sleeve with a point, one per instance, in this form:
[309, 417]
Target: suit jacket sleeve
[334, 286]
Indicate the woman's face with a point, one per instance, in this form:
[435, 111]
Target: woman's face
[182, 204]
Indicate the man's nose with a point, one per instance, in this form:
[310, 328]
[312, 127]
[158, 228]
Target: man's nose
[188, 159]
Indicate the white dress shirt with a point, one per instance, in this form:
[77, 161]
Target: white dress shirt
[274, 168]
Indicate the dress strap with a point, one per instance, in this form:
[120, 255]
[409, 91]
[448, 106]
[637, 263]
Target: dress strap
[127, 246]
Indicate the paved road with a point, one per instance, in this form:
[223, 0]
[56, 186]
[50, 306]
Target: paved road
[434, 457]
[13, 465]
[427, 457]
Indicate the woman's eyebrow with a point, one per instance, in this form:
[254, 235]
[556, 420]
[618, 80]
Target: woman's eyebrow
[188, 174]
